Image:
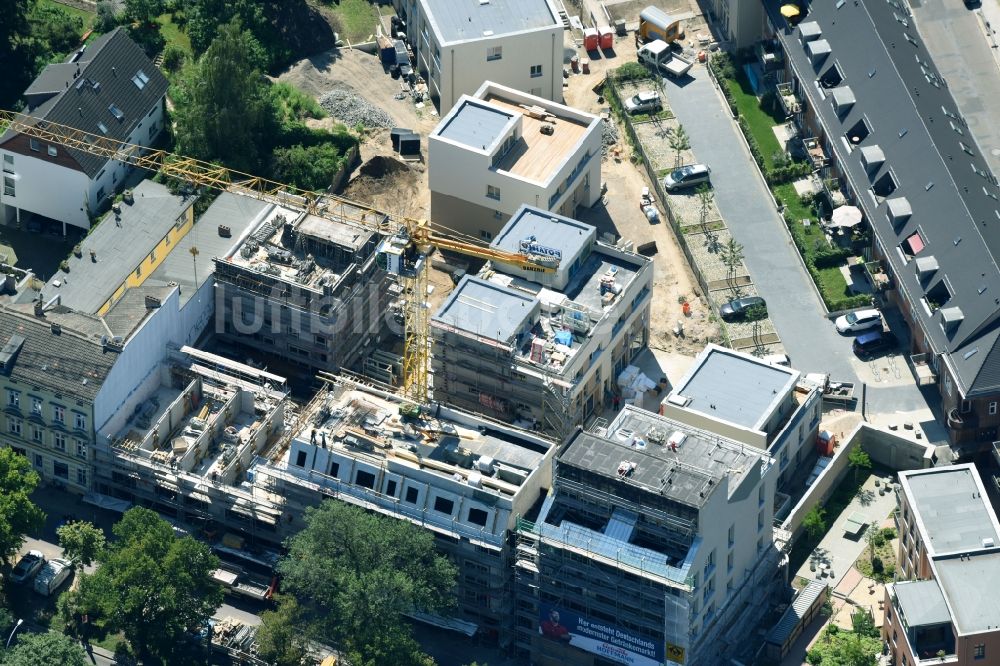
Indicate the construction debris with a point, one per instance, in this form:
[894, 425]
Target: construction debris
[609, 135]
[352, 109]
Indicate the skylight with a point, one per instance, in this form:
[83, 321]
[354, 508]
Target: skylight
[116, 112]
[140, 79]
[103, 128]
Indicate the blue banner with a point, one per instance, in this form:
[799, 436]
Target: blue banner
[598, 637]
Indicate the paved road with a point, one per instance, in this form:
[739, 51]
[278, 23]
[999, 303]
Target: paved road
[748, 208]
[956, 38]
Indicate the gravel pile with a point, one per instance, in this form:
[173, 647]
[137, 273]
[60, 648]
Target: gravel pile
[609, 135]
[352, 109]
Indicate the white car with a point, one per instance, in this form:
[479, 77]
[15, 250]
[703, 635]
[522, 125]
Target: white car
[862, 320]
[53, 574]
[646, 101]
[27, 567]
[686, 176]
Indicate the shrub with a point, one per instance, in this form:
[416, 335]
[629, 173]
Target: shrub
[889, 533]
[814, 657]
[877, 565]
[631, 71]
[830, 257]
[173, 58]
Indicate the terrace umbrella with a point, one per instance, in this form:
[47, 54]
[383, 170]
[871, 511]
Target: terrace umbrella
[790, 11]
[846, 216]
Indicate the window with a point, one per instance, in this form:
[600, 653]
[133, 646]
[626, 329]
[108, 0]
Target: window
[760, 495]
[300, 459]
[710, 564]
[14, 399]
[411, 495]
[116, 112]
[760, 520]
[60, 469]
[760, 544]
[152, 130]
[8, 163]
[59, 441]
[138, 271]
[58, 413]
[478, 517]
[364, 479]
[39, 461]
[494, 53]
[390, 488]
[81, 449]
[8, 187]
[334, 469]
[79, 421]
[52, 150]
[732, 535]
[14, 426]
[140, 79]
[993, 408]
[36, 434]
[103, 128]
[152, 256]
[34, 145]
[36, 406]
[443, 505]
[536, 71]
[81, 476]
[493, 192]
[979, 652]
[729, 562]
[486, 235]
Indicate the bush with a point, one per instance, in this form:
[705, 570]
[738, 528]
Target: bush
[631, 71]
[889, 533]
[814, 657]
[173, 58]
[307, 168]
[830, 257]
[788, 172]
[877, 565]
[107, 19]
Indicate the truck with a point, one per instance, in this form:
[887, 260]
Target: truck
[659, 55]
[235, 581]
[835, 392]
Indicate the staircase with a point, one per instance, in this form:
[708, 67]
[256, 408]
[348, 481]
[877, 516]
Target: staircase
[563, 14]
[555, 410]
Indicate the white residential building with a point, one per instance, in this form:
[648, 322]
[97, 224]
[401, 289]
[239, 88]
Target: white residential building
[461, 43]
[111, 90]
[501, 148]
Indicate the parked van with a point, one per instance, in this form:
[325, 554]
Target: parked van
[53, 574]
[686, 176]
[868, 344]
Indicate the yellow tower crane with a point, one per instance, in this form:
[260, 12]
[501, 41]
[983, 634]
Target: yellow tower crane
[403, 252]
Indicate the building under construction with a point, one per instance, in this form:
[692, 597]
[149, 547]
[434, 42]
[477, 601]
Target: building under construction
[306, 288]
[655, 545]
[543, 349]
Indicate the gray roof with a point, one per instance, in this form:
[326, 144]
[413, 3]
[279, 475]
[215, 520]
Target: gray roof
[732, 387]
[237, 212]
[795, 613]
[954, 514]
[688, 475]
[922, 603]
[915, 121]
[487, 309]
[68, 362]
[549, 229]
[120, 246]
[972, 588]
[131, 309]
[460, 20]
[474, 124]
[111, 62]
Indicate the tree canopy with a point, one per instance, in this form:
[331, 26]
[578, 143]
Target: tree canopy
[81, 541]
[151, 586]
[46, 649]
[357, 574]
[18, 514]
[280, 637]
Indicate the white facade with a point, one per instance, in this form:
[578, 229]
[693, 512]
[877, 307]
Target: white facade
[475, 189]
[530, 59]
[39, 183]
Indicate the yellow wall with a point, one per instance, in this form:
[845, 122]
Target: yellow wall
[153, 259]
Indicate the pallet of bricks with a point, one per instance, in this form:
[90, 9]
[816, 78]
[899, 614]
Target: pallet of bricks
[238, 640]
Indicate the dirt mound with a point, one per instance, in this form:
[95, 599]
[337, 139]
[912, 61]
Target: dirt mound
[381, 166]
[388, 184]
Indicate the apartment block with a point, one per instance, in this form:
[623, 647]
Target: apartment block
[751, 401]
[944, 608]
[654, 546]
[304, 288]
[500, 148]
[461, 43]
[542, 349]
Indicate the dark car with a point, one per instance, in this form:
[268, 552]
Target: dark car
[737, 309]
[34, 226]
[870, 344]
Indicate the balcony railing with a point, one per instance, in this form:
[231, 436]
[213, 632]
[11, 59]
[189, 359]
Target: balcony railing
[790, 102]
[923, 372]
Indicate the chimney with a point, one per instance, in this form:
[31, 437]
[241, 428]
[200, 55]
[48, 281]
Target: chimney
[39, 308]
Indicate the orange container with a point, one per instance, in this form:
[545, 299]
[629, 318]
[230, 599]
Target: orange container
[591, 39]
[686, 308]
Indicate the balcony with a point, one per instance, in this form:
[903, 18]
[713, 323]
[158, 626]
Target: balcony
[790, 102]
[923, 372]
[817, 155]
[960, 421]
[877, 276]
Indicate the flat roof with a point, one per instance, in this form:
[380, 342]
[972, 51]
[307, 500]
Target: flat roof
[922, 603]
[475, 124]
[688, 475]
[346, 235]
[120, 246]
[537, 156]
[562, 233]
[460, 20]
[735, 387]
[972, 587]
[487, 309]
[951, 508]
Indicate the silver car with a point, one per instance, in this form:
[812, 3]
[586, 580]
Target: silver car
[686, 176]
[646, 101]
[27, 567]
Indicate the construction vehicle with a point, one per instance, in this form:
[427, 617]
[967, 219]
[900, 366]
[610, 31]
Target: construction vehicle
[654, 23]
[403, 252]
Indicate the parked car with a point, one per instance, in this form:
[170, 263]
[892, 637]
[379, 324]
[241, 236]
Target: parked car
[686, 176]
[855, 322]
[53, 574]
[868, 344]
[737, 309]
[647, 101]
[27, 567]
[34, 226]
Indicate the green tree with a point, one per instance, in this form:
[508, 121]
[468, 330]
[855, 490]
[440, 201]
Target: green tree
[358, 573]
[57, 31]
[18, 514]
[107, 17]
[143, 11]
[46, 649]
[225, 112]
[732, 256]
[81, 541]
[151, 586]
[859, 460]
[17, 51]
[280, 637]
[307, 168]
[814, 522]
[173, 58]
[679, 142]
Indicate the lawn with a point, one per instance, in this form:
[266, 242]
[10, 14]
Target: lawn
[88, 17]
[173, 34]
[358, 19]
[759, 121]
